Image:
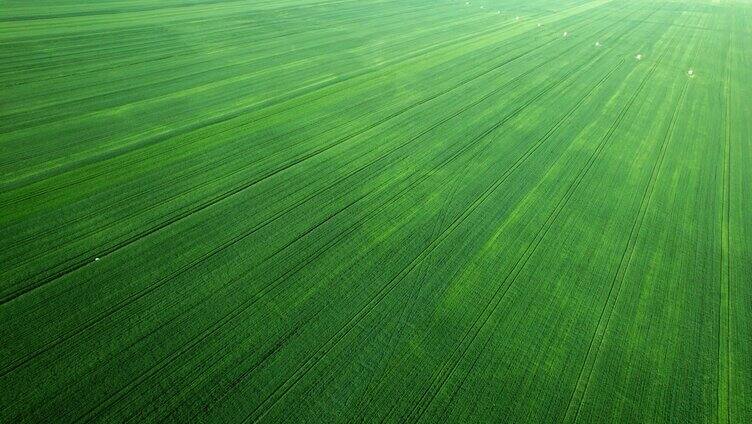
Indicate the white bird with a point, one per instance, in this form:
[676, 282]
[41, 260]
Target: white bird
[566, 34]
[691, 73]
[96, 259]
[598, 44]
[540, 25]
[638, 57]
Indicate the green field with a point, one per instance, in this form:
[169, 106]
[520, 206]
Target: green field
[376, 211]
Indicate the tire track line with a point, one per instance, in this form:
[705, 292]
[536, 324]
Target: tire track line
[553, 129]
[302, 265]
[374, 214]
[202, 169]
[92, 414]
[79, 219]
[386, 289]
[231, 49]
[412, 56]
[15, 121]
[486, 343]
[285, 276]
[540, 141]
[422, 52]
[214, 251]
[84, 259]
[446, 161]
[516, 270]
[546, 226]
[724, 318]
[626, 259]
[501, 46]
[245, 124]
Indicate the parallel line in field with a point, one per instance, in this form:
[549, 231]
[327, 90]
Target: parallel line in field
[237, 311]
[149, 59]
[192, 265]
[218, 119]
[340, 236]
[13, 122]
[42, 118]
[91, 176]
[106, 11]
[514, 273]
[246, 124]
[445, 214]
[332, 243]
[180, 177]
[503, 288]
[211, 164]
[626, 259]
[581, 101]
[201, 259]
[152, 42]
[84, 260]
[386, 289]
[190, 142]
[528, 253]
[257, 339]
[157, 138]
[93, 413]
[405, 309]
[17, 184]
[151, 99]
[264, 356]
[129, 31]
[724, 316]
[533, 148]
[179, 17]
[170, 43]
[239, 65]
[436, 169]
[208, 406]
[516, 270]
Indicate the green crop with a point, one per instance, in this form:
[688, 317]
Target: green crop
[376, 210]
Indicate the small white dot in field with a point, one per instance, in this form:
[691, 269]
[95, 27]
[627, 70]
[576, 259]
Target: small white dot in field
[638, 57]
[540, 25]
[516, 18]
[96, 259]
[598, 44]
[498, 12]
[691, 73]
[566, 34]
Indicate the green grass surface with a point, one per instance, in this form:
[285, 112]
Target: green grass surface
[345, 211]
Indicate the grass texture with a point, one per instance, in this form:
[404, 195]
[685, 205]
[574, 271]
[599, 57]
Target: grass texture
[376, 211]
